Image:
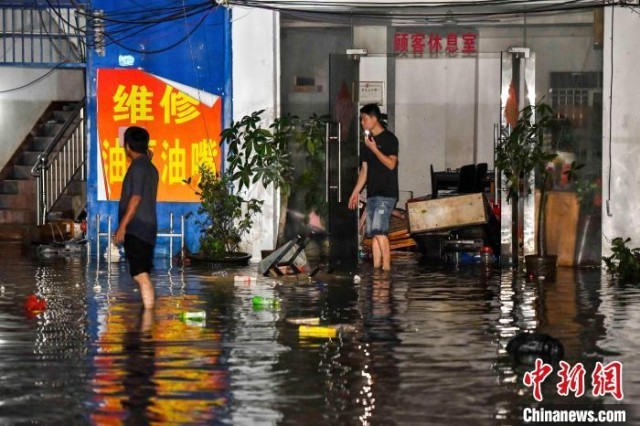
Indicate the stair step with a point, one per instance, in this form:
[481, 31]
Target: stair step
[49, 129]
[16, 186]
[76, 188]
[14, 232]
[17, 201]
[40, 143]
[29, 158]
[17, 216]
[69, 107]
[62, 116]
[21, 172]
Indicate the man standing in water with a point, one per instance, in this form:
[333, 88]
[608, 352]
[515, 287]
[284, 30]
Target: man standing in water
[137, 212]
[379, 171]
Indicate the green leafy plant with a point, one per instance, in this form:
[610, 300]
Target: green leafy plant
[310, 139]
[520, 152]
[523, 149]
[258, 154]
[225, 216]
[624, 262]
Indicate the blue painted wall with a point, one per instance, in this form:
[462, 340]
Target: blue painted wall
[203, 60]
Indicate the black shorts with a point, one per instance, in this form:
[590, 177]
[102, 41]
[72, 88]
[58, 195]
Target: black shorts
[139, 254]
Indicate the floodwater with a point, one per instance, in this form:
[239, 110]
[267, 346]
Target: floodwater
[427, 346]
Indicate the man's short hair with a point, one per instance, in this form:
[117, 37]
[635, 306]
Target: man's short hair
[137, 138]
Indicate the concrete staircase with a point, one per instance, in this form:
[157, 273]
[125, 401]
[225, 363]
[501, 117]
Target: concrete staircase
[18, 187]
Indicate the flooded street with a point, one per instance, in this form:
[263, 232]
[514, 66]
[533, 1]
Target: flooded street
[425, 345]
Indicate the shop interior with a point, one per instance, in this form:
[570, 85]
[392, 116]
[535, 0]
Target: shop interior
[447, 104]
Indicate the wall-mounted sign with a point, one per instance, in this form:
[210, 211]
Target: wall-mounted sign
[184, 125]
[371, 92]
[436, 43]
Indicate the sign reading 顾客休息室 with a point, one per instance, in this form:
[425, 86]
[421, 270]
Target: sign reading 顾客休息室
[184, 125]
[434, 43]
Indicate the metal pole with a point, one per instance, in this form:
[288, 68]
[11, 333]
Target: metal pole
[171, 239]
[109, 241]
[98, 237]
[182, 237]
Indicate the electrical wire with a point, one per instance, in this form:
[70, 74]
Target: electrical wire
[195, 72]
[35, 81]
[420, 11]
[51, 39]
[166, 48]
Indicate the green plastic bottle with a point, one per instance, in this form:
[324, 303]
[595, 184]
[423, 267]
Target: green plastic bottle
[264, 302]
[194, 316]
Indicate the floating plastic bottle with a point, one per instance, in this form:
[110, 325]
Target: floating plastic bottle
[304, 321]
[219, 274]
[322, 332]
[244, 279]
[264, 302]
[343, 328]
[194, 316]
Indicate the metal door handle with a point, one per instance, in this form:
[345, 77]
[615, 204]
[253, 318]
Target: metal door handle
[339, 162]
[326, 162]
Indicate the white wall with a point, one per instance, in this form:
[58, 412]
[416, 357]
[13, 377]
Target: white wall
[435, 116]
[255, 44]
[623, 220]
[20, 110]
[374, 68]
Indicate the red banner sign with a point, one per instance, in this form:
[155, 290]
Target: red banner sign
[436, 44]
[184, 125]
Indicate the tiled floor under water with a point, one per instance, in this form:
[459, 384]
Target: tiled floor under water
[426, 346]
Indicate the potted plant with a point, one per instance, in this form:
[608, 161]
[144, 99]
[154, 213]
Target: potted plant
[254, 154]
[519, 153]
[224, 218]
[624, 262]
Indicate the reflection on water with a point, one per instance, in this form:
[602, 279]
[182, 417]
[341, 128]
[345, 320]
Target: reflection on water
[426, 345]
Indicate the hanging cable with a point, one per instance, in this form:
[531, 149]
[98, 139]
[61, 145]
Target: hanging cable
[166, 48]
[35, 81]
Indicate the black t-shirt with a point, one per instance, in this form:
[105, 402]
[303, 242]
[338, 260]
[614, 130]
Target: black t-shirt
[141, 179]
[381, 181]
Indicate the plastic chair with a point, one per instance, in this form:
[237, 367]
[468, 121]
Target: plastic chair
[481, 176]
[467, 183]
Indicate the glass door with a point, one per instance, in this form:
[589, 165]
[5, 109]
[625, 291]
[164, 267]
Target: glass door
[342, 144]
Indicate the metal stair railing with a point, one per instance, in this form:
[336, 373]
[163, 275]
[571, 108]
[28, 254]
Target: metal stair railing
[33, 34]
[59, 164]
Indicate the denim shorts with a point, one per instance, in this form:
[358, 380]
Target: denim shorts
[379, 215]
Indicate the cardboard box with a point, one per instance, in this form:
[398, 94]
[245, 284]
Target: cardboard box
[446, 213]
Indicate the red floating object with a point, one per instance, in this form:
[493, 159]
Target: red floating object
[34, 303]
[486, 249]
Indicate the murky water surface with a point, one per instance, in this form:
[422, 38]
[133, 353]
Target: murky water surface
[426, 346]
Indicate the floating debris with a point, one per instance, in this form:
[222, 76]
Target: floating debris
[321, 332]
[303, 321]
[194, 316]
[263, 302]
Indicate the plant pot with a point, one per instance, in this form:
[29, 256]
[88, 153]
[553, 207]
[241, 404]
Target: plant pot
[542, 267]
[228, 260]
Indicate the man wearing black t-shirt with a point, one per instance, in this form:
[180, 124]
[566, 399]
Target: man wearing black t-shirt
[379, 172]
[137, 211]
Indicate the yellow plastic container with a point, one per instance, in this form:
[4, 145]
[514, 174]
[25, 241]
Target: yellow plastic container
[322, 332]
